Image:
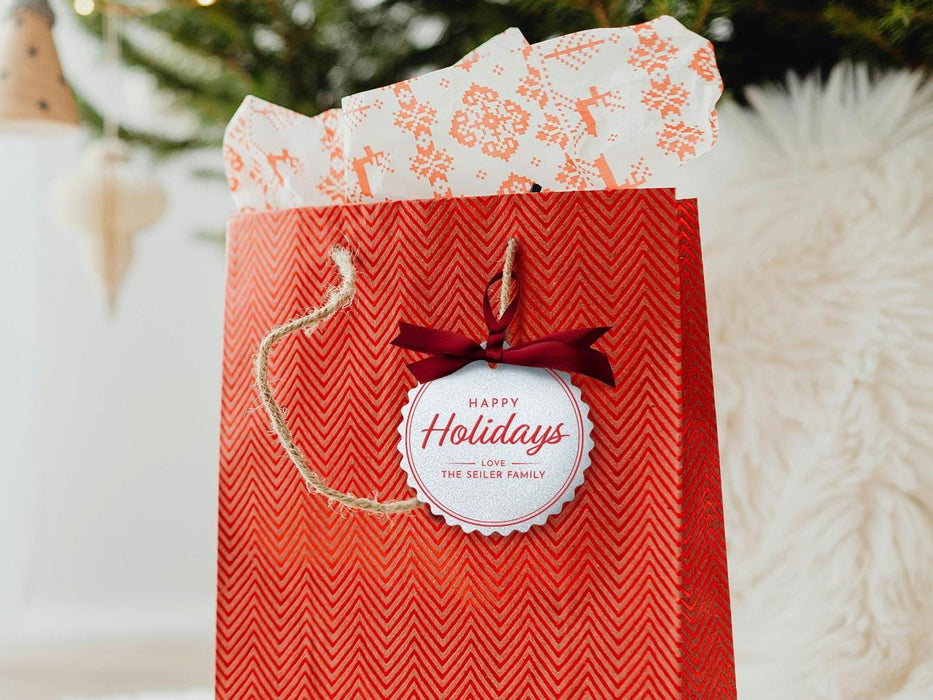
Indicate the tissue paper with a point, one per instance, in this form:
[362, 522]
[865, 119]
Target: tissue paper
[276, 158]
[599, 109]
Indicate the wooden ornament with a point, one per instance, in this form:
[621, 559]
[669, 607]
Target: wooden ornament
[109, 199]
[34, 95]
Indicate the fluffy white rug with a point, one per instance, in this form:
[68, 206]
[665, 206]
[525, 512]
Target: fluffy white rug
[817, 216]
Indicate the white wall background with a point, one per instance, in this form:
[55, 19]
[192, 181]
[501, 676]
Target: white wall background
[108, 426]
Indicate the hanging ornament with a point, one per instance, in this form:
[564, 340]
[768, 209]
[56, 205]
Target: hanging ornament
[109, 199]
[34, 95]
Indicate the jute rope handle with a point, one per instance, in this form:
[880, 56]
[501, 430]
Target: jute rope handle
[338, 298]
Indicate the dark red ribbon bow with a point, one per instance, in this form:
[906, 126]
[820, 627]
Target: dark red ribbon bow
[569, 351]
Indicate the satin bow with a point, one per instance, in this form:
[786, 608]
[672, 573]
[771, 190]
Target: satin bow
[568, 350]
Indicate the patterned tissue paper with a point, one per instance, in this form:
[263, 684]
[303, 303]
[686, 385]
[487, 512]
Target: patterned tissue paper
[599, 109]
[276, 158]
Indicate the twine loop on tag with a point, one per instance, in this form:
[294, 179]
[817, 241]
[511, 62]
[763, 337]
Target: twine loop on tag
[338, 298]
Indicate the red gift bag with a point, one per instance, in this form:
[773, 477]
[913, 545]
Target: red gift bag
[622, 594]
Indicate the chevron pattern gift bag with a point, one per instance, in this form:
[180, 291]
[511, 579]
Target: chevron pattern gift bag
[616, 587]
[621, 594]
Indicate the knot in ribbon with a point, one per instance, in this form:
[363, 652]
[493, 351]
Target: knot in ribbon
[568, 351]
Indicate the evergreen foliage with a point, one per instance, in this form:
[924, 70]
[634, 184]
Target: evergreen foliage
[307, 54]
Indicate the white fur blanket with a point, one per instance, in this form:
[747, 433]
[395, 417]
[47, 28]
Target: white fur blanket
[817, 215]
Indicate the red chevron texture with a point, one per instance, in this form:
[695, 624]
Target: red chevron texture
[623, 594]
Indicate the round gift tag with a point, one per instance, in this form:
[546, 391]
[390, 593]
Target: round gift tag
[495, 449]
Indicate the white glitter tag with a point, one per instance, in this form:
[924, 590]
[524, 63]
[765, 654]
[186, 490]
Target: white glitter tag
[496, 450]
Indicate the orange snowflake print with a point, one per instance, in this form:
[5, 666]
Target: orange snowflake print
[432, 164]
[332, 187]
[333, 138]
[532, 87]
[704, 65]
[489, 122]
[652, 52]
[416, 118]
[467, 62]
[665, 97]
[233, 158]
[638, 175]
[571, 174]
[678, 138]
[552, 132]
[516, 184]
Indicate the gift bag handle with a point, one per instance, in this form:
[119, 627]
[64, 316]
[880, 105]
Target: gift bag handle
[337, 298]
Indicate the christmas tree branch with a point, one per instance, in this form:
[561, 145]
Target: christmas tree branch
[160, 146]
[702, 13]
[306, 55]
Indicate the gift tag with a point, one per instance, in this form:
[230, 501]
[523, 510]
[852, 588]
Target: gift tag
[496, 449]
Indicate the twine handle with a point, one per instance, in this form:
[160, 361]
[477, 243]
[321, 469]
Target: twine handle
[338, 298]
[508, 262]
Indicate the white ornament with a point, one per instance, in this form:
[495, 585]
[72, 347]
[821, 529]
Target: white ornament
[109, 199]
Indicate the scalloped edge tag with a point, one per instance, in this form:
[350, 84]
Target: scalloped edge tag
[486, 482]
